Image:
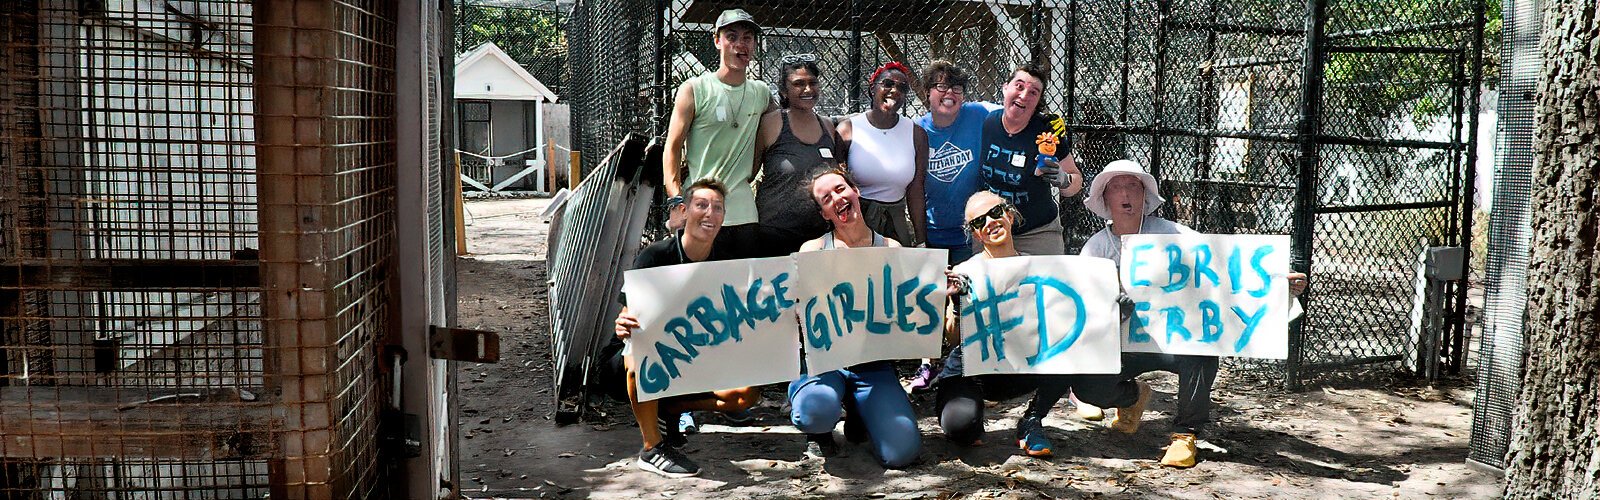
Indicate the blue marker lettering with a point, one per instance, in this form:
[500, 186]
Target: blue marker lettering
[1177, 272]
[1234, 272]
[780, 292]
[1133, 265]
[902, 307]
[758, 308]
[1136, 327]
[1250, 323]
[1202, 265]
[928, 308]
[670, 357]
[846, 294]
[736, 313]
[680, 329]
[817, 327]
[705, 313]
[1210, 322]
[1175, 323]
[1266, 278]
[985, 311]
[652, 378]
[873, 325]
[1048, 350]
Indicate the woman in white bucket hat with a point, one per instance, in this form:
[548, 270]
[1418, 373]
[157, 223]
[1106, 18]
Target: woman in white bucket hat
[1126, 196]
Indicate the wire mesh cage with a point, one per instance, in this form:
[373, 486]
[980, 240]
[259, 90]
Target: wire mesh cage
[196, 224]
[1345, 124]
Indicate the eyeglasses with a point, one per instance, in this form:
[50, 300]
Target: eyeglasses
[887, 84]
[797, 58]
[998, 212]
[945, 87]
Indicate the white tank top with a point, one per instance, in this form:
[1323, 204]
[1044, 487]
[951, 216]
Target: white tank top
[882, 161]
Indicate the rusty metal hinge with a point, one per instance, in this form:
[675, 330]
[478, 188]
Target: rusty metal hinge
[461, 344]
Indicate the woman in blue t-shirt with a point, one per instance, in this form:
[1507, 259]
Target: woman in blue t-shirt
[1010, 165]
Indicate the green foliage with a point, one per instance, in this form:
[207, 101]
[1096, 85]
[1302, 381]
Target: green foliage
[535, 38]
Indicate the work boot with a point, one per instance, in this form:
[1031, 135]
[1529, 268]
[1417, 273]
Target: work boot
[1128, 419]
[1181, 453]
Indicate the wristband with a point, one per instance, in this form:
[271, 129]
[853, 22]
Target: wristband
[674, 201]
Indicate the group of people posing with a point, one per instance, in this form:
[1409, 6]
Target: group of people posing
[981, 180]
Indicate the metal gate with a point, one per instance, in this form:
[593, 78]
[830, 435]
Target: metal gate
[197, 224]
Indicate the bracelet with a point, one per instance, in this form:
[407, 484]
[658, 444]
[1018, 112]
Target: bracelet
[674, 201]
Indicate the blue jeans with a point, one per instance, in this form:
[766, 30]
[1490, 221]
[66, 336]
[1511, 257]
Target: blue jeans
[958, 253]
[892, 425]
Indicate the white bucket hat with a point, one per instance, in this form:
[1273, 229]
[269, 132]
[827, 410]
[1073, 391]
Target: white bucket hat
[1096, 201]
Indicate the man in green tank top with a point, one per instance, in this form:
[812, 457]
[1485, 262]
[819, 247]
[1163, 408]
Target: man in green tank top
[713, 132]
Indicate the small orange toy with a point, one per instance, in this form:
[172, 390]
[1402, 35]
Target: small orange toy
[1047, 142]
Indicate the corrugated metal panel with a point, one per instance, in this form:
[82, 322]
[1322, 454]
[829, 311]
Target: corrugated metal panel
[598, 235]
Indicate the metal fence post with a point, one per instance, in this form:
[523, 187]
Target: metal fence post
[1458, 349]
[855, 57]
[1308, 131]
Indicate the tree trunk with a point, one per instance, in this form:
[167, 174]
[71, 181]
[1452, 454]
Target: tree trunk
[1555, 449]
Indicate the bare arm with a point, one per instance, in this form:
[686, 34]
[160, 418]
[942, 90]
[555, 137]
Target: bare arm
[843, 154]
[1069, 165]
[677, 137]
[766, 134]
[916, 202]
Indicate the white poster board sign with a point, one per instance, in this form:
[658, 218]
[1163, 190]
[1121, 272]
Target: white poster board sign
[1207, 294]
[1048, 314]
[713, 326]
[869, 304]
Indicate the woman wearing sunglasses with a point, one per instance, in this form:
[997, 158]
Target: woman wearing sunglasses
[795, 143]
[868, 396]
[960, 401]
[888, 155]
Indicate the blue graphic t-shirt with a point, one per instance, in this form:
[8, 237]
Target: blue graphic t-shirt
[1006, 166]
[952, 171]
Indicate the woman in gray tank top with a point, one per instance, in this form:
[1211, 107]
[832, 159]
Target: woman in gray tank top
[795, 143]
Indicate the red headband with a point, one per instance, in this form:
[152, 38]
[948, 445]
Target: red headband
[894, 65]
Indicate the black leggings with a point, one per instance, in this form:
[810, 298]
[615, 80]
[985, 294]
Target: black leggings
[960, 399]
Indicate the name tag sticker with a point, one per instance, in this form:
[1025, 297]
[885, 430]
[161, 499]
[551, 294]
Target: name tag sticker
[826, 153]
[1017, 161]
[722, 113]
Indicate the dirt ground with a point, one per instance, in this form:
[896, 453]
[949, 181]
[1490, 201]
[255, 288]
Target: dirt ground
[1386, 437]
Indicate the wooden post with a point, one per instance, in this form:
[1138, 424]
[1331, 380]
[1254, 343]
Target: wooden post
[550, 166]
[461, 218]
[572, 172]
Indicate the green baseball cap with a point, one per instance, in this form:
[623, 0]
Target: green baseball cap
[733, 16]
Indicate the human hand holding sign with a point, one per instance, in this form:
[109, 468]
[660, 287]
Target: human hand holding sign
[627, 322]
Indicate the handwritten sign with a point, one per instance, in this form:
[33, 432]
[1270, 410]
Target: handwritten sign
[1047, 314]
[1206, 294]
[713, 325]
[867, 304]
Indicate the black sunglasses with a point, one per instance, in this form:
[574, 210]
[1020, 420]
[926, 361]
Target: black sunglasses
[997, 212]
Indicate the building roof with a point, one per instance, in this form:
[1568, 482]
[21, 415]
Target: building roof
[486, 72]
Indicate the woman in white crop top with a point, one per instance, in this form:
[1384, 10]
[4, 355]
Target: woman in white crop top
[888, 155]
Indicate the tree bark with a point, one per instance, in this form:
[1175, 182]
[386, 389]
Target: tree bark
[1555, 448]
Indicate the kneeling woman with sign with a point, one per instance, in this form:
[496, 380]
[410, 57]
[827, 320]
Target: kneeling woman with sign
[960, 398]
[868, 396]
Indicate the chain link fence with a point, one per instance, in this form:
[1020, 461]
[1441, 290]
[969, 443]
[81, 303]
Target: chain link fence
[533, 33]
[1347, 124]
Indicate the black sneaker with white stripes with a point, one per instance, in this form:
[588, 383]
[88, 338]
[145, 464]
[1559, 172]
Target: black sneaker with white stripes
[667, 461]
[667, 423]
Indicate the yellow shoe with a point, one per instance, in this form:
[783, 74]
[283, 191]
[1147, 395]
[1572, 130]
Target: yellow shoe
[1090, 412]
[1127, 421]
[1181, 453]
